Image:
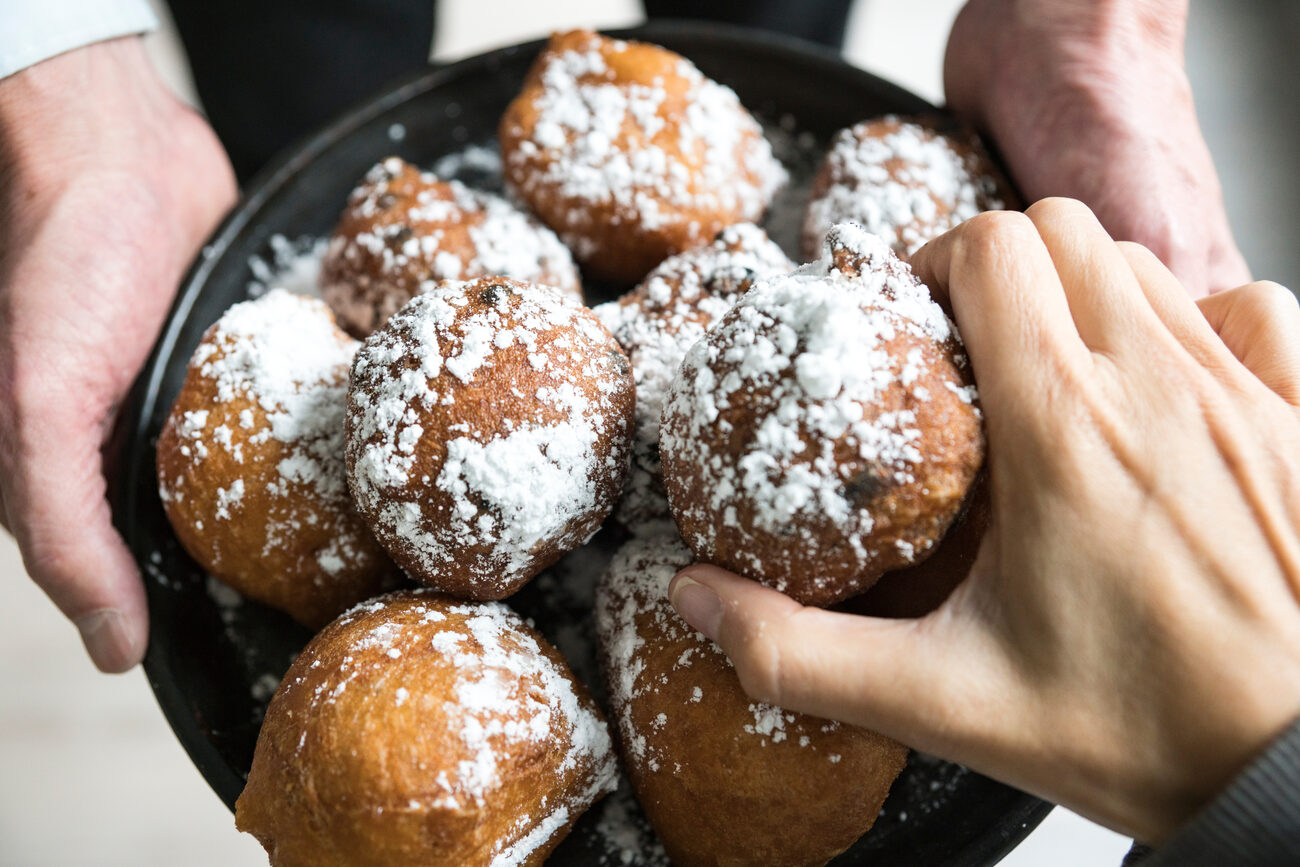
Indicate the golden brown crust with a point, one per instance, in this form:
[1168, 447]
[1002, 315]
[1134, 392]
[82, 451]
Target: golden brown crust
[915, 591]
[417, 730]
[826, 430]
[488, 429]
[631, 154]
[723, 779]
[403, 228]
[906, 179]
[250, 462]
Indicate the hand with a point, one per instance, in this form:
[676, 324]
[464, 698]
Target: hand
[109, 187]
[1089, 99]
[1129, 635]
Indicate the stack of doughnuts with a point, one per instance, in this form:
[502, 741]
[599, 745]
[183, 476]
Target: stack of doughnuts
[453, 416]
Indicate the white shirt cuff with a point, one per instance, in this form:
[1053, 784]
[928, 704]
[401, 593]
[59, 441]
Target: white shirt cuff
[35, 30]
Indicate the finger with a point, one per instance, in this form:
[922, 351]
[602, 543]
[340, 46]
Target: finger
[1259, 323]
[1109, 309]
[898, 677]
[1174, 306]
[61, 519]
[1008, 302]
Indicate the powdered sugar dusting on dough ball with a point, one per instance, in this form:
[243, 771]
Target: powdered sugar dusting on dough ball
[631, 154]
[425, 711]
[250, 462]
[908, 180]
[488, 431]
[722, 776]
[403, 230]
[658, 321]
[826, 429]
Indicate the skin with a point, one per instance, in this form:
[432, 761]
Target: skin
[1090, 99]
[1129, 635]
[109, 185]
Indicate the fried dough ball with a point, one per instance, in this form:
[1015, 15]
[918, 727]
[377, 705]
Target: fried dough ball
[906, 179]
[915, 591]
[662, 318]
[487, 433]
[250, 462]
[422, 731]
[403, 228]
[631, 154]
[722, 778]
[826, 430]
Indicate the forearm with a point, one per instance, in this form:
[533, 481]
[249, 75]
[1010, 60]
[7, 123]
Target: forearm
[1066, 48]
[1090, 99]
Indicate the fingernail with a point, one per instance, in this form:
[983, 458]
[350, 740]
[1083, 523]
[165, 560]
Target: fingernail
[698, 605]
[107, 640]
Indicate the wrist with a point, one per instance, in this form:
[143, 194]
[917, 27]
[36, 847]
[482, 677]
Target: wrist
[1000, 49]
[100, 118]
[75, 108]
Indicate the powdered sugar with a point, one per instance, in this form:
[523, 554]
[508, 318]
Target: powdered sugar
[508, 698]
[404, 230]
[284, 353]
[507, 487]
[658, 322]
[294, 267]
[625, 837]
[477, 162]
[655, 152]
[904, 180]
[809, 357]
[533, 498]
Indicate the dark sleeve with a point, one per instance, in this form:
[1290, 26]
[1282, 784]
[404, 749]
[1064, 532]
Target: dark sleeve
[270, 71]
[1255, 821]
[820, 21]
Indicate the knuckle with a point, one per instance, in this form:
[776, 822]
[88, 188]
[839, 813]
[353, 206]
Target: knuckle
[1270, 297]
[758, 665]
[1134, 251]
[993, 239]
[46, 561]
[991, 227]
[1057, 208]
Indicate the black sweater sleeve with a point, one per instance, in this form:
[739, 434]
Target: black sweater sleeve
[1255, 821]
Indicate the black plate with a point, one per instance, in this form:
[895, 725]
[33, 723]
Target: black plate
[208, 663]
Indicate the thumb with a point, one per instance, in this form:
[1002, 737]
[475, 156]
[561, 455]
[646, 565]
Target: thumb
[898, 677]
[1260, 325]
[55, 500]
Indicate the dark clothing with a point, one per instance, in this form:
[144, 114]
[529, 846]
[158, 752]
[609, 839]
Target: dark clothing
[270, 71]
[1255, 821]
